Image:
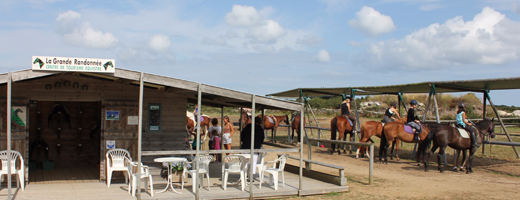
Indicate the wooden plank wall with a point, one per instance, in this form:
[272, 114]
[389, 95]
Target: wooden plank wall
[18, 133]
[68, 87]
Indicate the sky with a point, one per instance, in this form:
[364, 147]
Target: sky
[264, 47]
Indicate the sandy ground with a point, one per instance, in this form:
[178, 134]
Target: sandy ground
[492, 178]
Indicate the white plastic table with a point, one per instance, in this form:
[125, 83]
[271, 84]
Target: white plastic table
[169, 160]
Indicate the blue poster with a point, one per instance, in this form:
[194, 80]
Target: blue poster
[112, 115]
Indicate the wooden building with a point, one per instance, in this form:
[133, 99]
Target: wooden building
[67, 119]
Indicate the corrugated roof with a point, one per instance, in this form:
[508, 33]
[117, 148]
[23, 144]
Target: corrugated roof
[477, 85]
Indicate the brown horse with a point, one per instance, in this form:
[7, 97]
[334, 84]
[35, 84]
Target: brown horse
[268, 125]
[190, 124]
[341, 125]
[446, 136]
[371, 128]
[395, 131]
[296, 126]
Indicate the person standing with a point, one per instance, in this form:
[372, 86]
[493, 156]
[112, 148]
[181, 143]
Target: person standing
[413, 121]
[345, 111]
[228, 133]
[245, 135]
[214, 127]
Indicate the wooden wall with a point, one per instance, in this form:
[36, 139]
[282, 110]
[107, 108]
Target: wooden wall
[118, 95]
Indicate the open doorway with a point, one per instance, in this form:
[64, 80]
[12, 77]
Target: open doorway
[64, 141]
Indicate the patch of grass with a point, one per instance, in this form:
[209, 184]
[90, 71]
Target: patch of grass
[332, 194]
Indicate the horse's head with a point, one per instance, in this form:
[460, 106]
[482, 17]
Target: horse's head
[108, 64]
[491, 130]
[487, 127]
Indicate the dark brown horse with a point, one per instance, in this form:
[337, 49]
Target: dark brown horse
[296, 126]
[375, 128]
[276, 120]
[446, 136]
[395, 131]
[340, 124]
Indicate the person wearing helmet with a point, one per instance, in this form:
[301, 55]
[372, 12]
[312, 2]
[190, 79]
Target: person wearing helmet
[388, 117]
[413, 121]
[463, 122]
[345, 111]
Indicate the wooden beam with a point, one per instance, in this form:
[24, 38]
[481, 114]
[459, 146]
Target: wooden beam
[501, 122]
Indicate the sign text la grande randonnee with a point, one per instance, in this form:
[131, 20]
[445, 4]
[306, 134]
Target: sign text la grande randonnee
[69, 64]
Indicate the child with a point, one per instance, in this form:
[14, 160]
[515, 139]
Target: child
[216, 143]
[215, 126]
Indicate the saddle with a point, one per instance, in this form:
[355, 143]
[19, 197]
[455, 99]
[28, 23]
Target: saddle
[409, 129]
[349, 121]
[463, 133]
[271, 119]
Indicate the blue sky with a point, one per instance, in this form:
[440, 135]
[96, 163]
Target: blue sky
[264, 47]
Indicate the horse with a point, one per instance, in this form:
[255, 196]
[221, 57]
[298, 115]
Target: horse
[40, 62]
[456, 166]
[204, 125]
[450, 136]
[371, 128]
[108, 64]
[395, 131]
[342, 125]
[274, 126]
[295, 125]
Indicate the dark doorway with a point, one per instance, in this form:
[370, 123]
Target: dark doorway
[64, 135]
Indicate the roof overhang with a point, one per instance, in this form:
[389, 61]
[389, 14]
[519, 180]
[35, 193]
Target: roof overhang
[211, 95]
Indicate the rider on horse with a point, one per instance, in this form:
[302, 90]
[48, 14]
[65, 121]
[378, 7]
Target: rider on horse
[388, 117]
[463, 122]
[195, 111]
[345, 111]
[413, 121]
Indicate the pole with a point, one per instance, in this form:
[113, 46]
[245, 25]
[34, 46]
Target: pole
[302, 130]
[371, 168]
[222, 132]
[9, 113]
[308, 116]
[357, 114]
[300, 187]
[140, 134]
[253, 125]
[316, 120]
[438, 122]
[500, 120]
[240, 119]
[197, 154]
[484, 117]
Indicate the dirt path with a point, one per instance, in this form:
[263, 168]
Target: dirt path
[405, 180]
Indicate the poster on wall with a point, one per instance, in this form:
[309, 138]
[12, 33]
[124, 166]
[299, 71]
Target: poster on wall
[111, 144]
[19, 116]
[133, 120]
[112, 115]
[154, 117]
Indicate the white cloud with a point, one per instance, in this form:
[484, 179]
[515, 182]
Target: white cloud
[231, 34]
[80, 33]
[159, 43]
[489, 39]
[515, 8]
[429, 7]
[243, 16]
[323, 56]
[372, 22]
[218, 41]
[266, 33]
[68, 16]
[264, 48]
[309, 40]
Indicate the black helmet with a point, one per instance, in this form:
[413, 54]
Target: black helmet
[462, 105]
[393, 105]
[413, 102]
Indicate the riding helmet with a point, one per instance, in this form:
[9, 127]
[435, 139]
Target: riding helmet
[393, 105]
[462, 105]
[413, 102]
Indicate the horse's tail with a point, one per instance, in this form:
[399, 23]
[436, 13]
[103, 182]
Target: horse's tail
[424, 146]
[384, 143]
[333, 129]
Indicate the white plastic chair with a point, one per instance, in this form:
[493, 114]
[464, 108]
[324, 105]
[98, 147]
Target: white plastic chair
[203, 163]
[273, 171]
[15, 155]
[133, 175]
[234, 164]
[260, 163]
[115, 161]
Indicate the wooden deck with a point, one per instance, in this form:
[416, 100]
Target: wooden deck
[68, 175]
[97, 190]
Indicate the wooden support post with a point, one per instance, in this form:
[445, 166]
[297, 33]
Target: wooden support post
[253, 114]
[300, 186]
[140, 134]
[308, 116]
[240, 120]
[316, 120]
[197, 153]
[500, 120]
[484, 117]
[8, 113]
[352, 95]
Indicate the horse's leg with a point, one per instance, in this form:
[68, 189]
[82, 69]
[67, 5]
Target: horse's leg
[273, 132]
[362, 140]
[464, 160]
[439, 158]
[392, 151]
[397, 149]
[470, 161]
[340, 138]
[456, 161]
